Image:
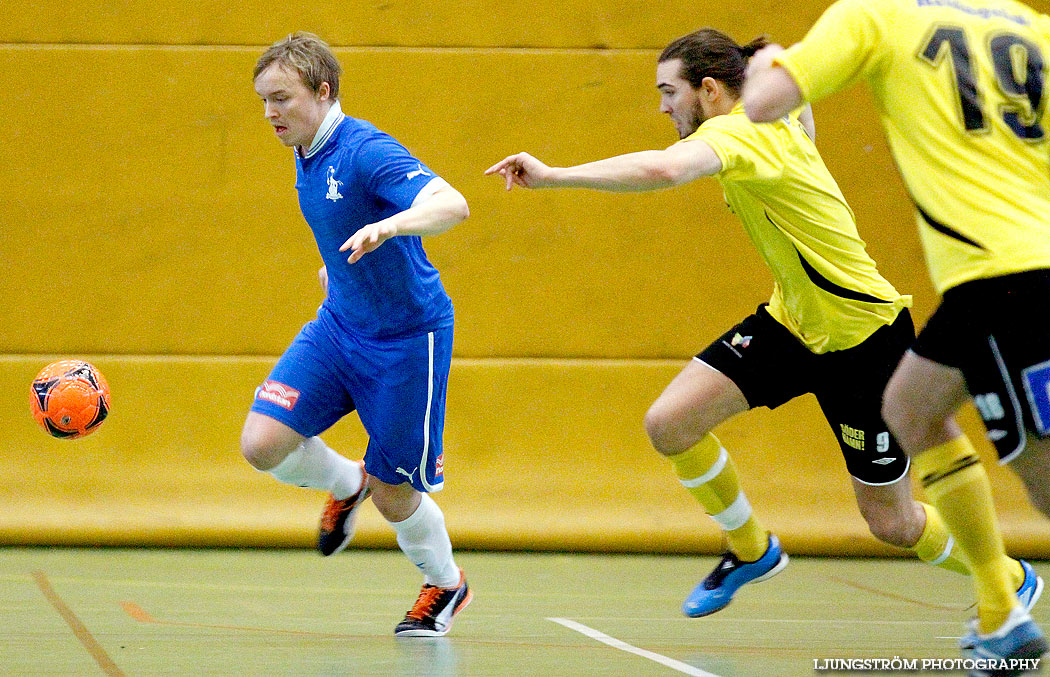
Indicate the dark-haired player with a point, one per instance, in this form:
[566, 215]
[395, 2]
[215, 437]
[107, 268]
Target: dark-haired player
[833, 326]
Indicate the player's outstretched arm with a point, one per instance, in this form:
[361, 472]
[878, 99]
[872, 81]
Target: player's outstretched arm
[437, 208]
[521, 169]
[644, 170]
[770, 92]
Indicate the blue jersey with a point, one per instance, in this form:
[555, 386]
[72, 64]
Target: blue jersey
[352, 176]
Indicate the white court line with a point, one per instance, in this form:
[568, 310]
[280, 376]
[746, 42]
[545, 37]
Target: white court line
[624, 646]
[771, 621]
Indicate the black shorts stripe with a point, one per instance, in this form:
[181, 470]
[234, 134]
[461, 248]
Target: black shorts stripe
[945, 230]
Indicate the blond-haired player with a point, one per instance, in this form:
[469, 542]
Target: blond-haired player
[381, 344]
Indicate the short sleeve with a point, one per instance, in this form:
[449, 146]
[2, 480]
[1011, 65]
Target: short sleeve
[390, 172]
[744, 150]
[846, 43]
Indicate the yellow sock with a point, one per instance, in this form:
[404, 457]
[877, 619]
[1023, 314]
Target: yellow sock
[958, 487]
[937, 547]
[708, 474]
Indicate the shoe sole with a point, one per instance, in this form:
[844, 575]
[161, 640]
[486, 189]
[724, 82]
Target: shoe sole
[772, 572]
[764, 577]
[440, 633]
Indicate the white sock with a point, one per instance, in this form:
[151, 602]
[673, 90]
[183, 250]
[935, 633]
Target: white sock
[424, 540]
[314, 465]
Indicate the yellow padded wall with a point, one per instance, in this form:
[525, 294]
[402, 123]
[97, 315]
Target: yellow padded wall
[430, 23]
[149, 210]
[540, 454]
[150, 218]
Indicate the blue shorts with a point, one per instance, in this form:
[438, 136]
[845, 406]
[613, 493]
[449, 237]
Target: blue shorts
[397, 385]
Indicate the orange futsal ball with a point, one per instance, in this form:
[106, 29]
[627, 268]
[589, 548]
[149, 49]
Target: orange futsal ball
[69, 399]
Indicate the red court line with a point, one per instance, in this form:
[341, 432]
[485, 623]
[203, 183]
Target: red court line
[895, 596]
[143, 616]
[79, 629]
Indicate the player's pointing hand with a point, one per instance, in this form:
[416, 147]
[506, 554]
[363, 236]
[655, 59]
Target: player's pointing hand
[368, 239]
[523, 170]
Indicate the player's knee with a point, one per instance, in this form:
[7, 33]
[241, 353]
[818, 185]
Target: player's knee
[395, 502]
[263, 451]
[910, 431]
[254, 451]
[665, 431]
[894, 416]
[890, 531]
[915, 432]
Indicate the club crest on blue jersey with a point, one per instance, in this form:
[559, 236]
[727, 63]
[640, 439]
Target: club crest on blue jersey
[333, 185]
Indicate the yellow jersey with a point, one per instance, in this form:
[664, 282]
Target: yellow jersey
[828, 292]
[961, 90]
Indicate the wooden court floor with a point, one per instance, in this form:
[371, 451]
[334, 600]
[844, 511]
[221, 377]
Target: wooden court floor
[289, 612]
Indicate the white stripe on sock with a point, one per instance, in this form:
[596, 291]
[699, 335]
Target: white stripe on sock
[712, 472]
[945, 553]
[736, 515]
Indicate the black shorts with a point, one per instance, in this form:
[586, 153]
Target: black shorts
[771, 366]
[990, 330]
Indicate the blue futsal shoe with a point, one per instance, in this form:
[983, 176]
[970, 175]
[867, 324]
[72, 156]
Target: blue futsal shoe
[1011, 650]
[715, 592]
[1031, 587]
[1027, 594]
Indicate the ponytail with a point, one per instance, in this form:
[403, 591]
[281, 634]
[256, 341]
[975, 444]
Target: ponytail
[709, 53]
[750, 48]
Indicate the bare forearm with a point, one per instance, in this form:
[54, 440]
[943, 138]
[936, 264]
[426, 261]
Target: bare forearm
[644, 170]
[433, 216]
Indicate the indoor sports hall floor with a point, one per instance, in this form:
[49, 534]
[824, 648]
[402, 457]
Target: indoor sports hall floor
[291, 612]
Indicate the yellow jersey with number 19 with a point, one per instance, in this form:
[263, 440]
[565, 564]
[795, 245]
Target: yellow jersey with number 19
[961, 89]
[828, 292]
